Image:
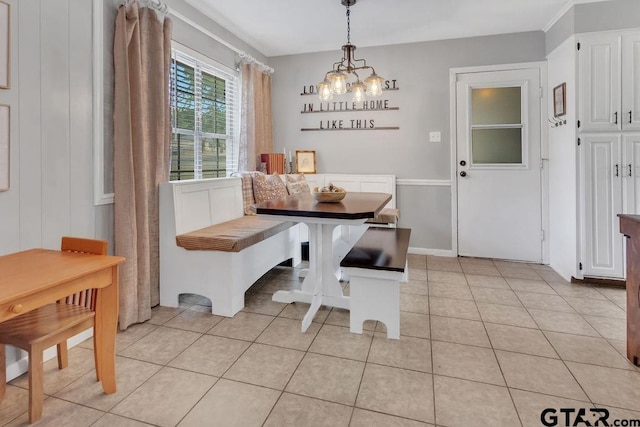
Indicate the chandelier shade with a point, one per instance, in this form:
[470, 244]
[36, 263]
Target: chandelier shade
[336, 80]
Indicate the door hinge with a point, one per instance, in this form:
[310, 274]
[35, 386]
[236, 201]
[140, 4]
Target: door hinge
[578, 46]
[542, 235]
[580, 266]
[579, 141]
[578, 123]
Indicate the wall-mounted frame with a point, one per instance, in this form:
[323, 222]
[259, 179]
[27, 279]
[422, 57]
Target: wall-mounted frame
[4, 147]
[560, 100]
[5, 63]
[305, 161]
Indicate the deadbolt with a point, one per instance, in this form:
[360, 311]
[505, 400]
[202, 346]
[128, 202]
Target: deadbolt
[463, 163]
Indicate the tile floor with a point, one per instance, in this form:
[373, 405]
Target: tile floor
[484, 343]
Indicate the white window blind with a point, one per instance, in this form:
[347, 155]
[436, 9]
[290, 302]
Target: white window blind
[203, 117]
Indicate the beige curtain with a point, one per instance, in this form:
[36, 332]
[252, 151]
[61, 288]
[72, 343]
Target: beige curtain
[256, 132]
[142, 136]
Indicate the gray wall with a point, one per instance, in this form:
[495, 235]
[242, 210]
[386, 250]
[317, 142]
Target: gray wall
[422, 73]
[588, 17]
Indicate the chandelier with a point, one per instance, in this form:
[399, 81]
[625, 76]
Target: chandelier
[335, 80]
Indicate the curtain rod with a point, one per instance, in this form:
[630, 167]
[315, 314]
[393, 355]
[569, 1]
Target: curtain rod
[241, 53]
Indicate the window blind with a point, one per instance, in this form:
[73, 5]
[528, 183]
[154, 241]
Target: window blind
[203, 115]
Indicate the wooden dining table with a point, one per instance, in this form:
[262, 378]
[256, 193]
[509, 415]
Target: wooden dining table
[321, 285]
[37, 277]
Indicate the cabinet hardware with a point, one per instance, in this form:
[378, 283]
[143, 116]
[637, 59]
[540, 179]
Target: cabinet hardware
[629, 169]
[617, 171]
[615, 120]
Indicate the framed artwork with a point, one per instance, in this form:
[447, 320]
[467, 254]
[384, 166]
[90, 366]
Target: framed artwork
[560, 100]
[4, 45]
[4, 147]
[305, 161]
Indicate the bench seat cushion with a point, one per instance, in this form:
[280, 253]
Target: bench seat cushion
[231, 236]
[386, 216]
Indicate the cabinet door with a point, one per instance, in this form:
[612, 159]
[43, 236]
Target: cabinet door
[599, 77]
[603, 201]
[631, 81]
[631, 173]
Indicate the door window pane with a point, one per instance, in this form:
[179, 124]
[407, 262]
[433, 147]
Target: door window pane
[496, 106]
[496, 146]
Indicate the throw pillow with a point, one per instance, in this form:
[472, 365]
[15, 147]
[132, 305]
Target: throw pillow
[297, 184]
[247, 192]
[268, 187]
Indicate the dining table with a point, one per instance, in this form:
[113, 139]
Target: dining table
[34, 278]
[321, 285]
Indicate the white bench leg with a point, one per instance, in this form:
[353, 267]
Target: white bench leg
[375, 299]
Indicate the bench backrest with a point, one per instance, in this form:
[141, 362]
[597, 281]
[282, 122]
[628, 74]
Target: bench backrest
[198, 204]
[358, 183]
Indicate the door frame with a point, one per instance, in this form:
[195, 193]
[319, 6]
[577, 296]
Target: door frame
[541, 66]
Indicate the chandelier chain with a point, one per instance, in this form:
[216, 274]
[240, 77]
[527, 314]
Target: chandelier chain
[348, 24]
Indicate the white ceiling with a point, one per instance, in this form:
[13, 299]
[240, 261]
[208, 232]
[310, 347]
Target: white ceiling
[282, 27]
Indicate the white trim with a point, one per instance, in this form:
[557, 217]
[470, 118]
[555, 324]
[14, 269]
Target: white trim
[453, 73]
[203, 58]
[434, 252]
[568, 5]
[99, 196]
[424, 182]
[220, 40]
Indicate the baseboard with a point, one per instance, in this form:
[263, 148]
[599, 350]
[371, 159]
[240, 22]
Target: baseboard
[617, 283]
[434, 252]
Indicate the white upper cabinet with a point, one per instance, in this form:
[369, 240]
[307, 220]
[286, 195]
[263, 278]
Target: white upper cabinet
[609, 80]
[631, 82]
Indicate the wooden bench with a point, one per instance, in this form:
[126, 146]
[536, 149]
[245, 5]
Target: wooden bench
[210, 248]
[376, 266]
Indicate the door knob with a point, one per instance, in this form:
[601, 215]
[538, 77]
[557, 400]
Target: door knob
[463, 174]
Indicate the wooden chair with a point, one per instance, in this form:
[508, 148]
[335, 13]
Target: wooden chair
[53, 324]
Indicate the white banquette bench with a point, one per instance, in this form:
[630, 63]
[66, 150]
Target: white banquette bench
[210, 248]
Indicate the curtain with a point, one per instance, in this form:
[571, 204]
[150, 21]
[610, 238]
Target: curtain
[256, 132]
[142, 136]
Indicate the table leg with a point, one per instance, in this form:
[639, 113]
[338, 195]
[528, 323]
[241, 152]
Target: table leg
[105, 333]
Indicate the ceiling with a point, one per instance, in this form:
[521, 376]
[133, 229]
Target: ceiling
[283, 27]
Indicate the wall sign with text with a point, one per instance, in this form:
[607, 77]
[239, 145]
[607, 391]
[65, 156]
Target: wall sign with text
[355, 113]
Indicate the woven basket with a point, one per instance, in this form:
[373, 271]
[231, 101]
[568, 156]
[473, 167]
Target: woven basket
[329, 196]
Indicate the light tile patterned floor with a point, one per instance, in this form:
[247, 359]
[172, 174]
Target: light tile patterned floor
[484, 343]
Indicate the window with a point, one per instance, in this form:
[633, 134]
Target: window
[203, 117]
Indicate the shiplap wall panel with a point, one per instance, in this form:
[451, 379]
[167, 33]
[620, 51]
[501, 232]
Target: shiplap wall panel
[81, 95]
[28, 112]
[54, 62]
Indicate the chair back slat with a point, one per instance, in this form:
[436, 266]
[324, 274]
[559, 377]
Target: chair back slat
[86, 298]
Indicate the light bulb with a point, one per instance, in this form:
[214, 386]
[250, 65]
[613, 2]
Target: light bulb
[374, 85]
[358, 90]
[324, 90]
[338, 82]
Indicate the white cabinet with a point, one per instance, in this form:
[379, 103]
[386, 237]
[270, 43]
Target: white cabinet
[603, 199]
[609, 82]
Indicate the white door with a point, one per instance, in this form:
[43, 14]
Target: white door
[604, 171]
[499, 165]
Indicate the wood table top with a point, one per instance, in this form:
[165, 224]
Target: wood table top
[353, 206]
[28, 272]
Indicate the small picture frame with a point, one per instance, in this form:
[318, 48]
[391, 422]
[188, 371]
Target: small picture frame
[4, 147]
[560, 100]
[5, 18]
[305, 161]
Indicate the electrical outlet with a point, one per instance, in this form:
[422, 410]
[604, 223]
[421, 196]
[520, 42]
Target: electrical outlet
[435, 136]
